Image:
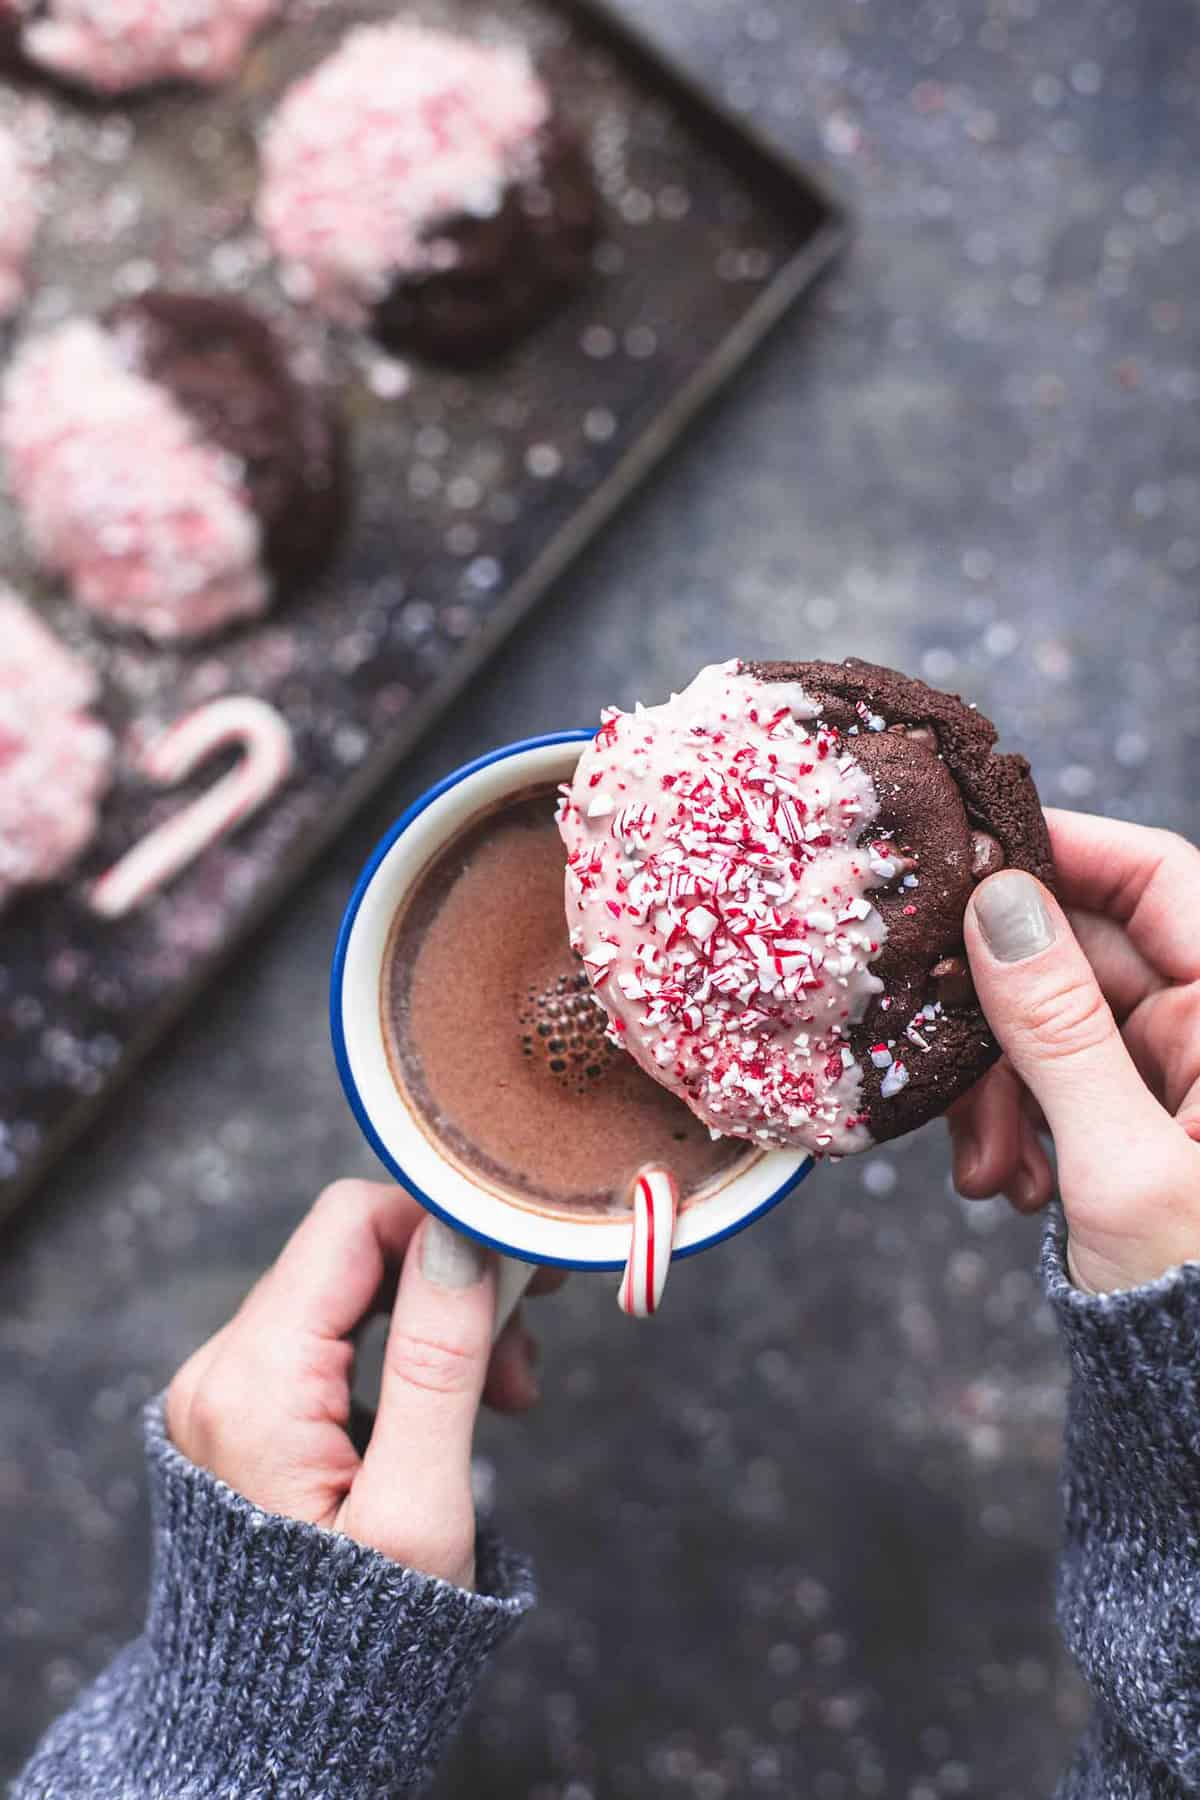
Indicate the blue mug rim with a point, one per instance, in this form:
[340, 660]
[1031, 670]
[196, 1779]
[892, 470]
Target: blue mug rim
[342, 1059]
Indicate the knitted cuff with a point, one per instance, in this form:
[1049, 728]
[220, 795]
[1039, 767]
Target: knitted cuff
[1135, 1359]
[289, 1660]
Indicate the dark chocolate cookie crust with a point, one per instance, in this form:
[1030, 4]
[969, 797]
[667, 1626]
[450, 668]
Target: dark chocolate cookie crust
[510, 270]
[13, 63]
[956, 809]
[229, 371]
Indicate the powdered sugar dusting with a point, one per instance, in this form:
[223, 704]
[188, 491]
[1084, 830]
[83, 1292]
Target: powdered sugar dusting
[720, 901]
[55, 759]
[117, 45]
[19, 213]
[401, 128]
[148, 523]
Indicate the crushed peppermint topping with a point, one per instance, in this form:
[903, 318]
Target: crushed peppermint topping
[117, 45]
[721, 905]
[895, 1079]
[401, 128]
[55, 756]
[149, 523]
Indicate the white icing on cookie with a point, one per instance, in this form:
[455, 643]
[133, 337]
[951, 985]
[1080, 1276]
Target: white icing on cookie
[116, 45]
[19, 214]
[55, 758]
[719, 898]
[149, 524]
[400, 128]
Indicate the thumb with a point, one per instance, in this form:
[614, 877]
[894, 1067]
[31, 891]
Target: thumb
[1044, 1003]
[412, 1496]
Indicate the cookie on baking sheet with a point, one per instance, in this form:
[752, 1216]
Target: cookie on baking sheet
[170, 463]
[56, 757]
[766, 881]
[108, 47]
[427, 187]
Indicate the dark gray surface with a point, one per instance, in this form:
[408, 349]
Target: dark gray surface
[797, 1537]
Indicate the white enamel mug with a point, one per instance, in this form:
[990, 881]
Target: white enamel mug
[403, 1141]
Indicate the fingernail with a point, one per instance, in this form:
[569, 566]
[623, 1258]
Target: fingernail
[1012, 916]
[450, 1260]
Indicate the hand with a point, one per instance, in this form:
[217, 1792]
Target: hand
[1098, 1011]
[265, 1404]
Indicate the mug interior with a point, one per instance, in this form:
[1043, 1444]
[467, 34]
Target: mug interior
[395, 1130]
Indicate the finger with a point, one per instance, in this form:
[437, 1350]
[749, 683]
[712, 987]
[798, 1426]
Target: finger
[1146, 880]
[512, 1385]
[1044, 1004]
[338, 1258]
[1164, 1040]
[1031, 1186]
[412, 1497]
[545, 1281]
[985, 1134]
[1125, 977]
[1188, 1114]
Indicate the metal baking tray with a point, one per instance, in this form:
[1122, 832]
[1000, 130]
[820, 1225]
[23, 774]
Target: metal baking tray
[473, 493]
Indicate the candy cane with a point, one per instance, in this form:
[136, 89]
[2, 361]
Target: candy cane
[655, 1200]
[265, 765]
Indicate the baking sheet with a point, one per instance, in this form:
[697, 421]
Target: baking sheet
[472, 492]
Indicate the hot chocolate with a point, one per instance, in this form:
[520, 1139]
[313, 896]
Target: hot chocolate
[498, 1045]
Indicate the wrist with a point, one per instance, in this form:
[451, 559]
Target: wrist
[1111, 1263]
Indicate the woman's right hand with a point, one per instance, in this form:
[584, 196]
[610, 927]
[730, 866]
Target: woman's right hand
[1096, 1004]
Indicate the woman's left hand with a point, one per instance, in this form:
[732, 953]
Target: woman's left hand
[265, 1404]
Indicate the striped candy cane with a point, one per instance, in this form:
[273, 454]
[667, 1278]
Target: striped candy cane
[655, 1201]
[266, 762]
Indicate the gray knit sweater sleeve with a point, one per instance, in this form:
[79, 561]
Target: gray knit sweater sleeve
[1129, 1579]
[284, 1663]
[279, 1661]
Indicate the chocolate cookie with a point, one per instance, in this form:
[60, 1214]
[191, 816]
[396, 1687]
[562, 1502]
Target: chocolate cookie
[12, 59]
[426, 186]
[170, 464]
[227, 370]
[505, 272]
[766, 881]
[956, 810]
[95, 51]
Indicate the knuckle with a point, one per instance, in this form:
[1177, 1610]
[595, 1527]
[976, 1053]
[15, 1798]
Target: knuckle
[344, 1197]
[435, 1365]
[446, 1550]
[1065, 1021]
[1176, 849]
[199, 1420]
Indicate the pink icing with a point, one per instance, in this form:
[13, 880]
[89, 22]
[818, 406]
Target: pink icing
[55, 759]
[19, 212]
[719, 898]
[119, 493]
[401, 127]
[116, 45]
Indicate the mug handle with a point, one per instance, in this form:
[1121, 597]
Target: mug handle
[512, 1278]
